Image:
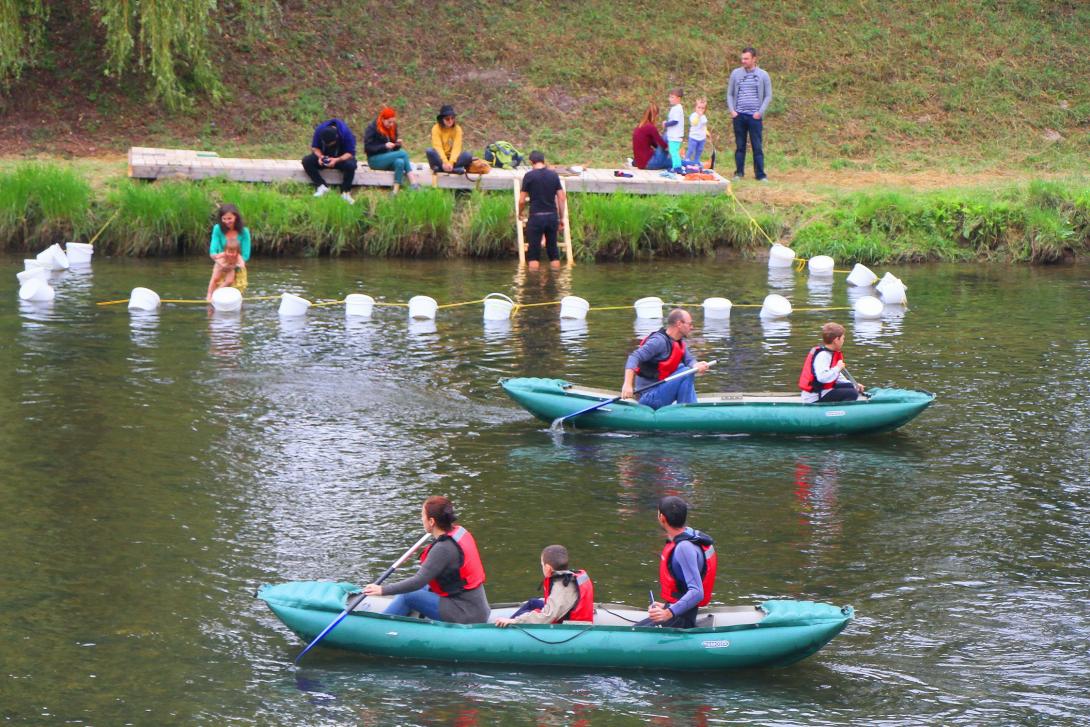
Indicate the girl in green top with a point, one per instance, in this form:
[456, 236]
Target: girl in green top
[229, 226]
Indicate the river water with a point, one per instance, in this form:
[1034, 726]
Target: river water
[155, 469]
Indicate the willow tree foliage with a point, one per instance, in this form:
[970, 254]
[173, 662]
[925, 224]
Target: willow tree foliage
[22, 25]
[167, 39]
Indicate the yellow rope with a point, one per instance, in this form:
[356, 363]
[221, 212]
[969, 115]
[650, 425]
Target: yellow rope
[455, 305]
[752, 221]
[103, 229]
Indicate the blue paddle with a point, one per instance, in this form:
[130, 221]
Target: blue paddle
[358, 599]
[558, 423]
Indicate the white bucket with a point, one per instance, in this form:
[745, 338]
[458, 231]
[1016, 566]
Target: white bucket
[821, 265]
[32, 264]
[775, 306]
[574, 307]
[868, 308]
[53, 258]
[887, 279]
[497, 307]
[143, 299]
[422, 307]
[36, 290]
[894, 293]
[34, 273]
[292, 306]
[359, 304]
[648, 307]
[79, 253]
[716, 308]
[861, 276]
[227, 299]
[781, 256]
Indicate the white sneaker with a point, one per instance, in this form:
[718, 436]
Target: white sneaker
[628, 163]
[322, 189]
[347, 198]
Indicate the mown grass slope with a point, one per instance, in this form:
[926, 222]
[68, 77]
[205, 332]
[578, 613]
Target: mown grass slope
[949, 86]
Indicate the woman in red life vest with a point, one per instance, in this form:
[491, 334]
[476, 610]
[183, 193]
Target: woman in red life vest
[659, 355]
[569, 595]
[822, 378]
[450, 583]
[687, 569]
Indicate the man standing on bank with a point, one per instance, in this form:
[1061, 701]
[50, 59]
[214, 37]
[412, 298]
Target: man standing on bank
[749, 93]
[541, 188]
[686, 569]
[332, 147]
[661, 354]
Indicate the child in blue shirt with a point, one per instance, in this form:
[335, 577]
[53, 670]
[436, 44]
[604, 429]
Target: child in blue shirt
[675, 128]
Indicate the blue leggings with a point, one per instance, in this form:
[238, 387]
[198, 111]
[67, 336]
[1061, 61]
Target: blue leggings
[392, 161]
[423, 601]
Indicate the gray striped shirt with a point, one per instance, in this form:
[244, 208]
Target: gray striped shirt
[749, 92]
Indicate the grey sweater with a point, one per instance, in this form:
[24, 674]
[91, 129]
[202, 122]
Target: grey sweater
[764, 88]
[467, 607]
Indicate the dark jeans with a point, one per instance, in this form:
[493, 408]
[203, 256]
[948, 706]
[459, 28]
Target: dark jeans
[436, 163]
[547, 224]
[686, 620]
[347, 167]
[534, 604]
[745, 124]
[843, 391]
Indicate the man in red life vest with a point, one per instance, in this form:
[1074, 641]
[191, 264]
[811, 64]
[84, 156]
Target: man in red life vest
[569, 595]
[661, 354]
[686, 569]
[822, 377]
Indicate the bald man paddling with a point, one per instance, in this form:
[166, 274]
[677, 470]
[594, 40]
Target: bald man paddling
[661, 354]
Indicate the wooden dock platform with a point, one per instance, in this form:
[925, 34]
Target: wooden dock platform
[150, 163]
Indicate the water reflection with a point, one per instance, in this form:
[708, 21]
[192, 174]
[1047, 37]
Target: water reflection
[716, 330]
[781, 279]
[34, 312]
[224, 334]
[776, 333]
[866, 331]
[820, 290]
[644, 327]
[143, 327]
[422, 329]
[574, 333]
[292, 326]
[856, 292]
[497, 331]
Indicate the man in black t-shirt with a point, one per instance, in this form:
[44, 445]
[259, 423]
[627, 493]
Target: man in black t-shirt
[541, 188]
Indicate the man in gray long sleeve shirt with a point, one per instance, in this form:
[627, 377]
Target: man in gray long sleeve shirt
[660, 355]
[749, 92]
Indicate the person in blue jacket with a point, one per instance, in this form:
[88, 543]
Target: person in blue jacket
[332, 147]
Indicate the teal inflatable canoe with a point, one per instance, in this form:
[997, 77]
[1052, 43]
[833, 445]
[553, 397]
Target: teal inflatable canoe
[728, 413]
[775, 633]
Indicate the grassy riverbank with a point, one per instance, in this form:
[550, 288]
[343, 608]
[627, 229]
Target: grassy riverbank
[1038, 222]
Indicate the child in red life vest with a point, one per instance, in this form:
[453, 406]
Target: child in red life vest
[569, 595]
[823, 378]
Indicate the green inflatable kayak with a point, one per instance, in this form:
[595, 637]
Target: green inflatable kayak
[775, 633]
[727, 413]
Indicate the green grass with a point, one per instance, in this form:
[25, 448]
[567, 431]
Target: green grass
[1038, 222]
[41, 204]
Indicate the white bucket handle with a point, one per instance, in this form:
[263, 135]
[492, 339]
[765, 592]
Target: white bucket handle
[500, 296]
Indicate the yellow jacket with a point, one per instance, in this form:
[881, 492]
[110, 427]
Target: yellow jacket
[447, 142]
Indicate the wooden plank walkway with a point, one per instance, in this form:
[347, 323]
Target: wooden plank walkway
[150, 163]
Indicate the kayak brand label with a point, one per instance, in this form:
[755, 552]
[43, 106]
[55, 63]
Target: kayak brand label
[834, 413]
[715, 644]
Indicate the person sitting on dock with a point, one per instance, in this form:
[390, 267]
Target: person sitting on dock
[659, 355]
[333, 146]
[445, 153]
[569, 595]
[687, 569]
[450, 583]
[823, 378]
[648, 146]
[384, 149]
[542, 189]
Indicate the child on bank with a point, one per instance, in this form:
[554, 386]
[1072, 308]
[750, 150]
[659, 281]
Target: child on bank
[674, 127]
[698, 131]
[569, 595]
[823, 378]
[229, 226]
